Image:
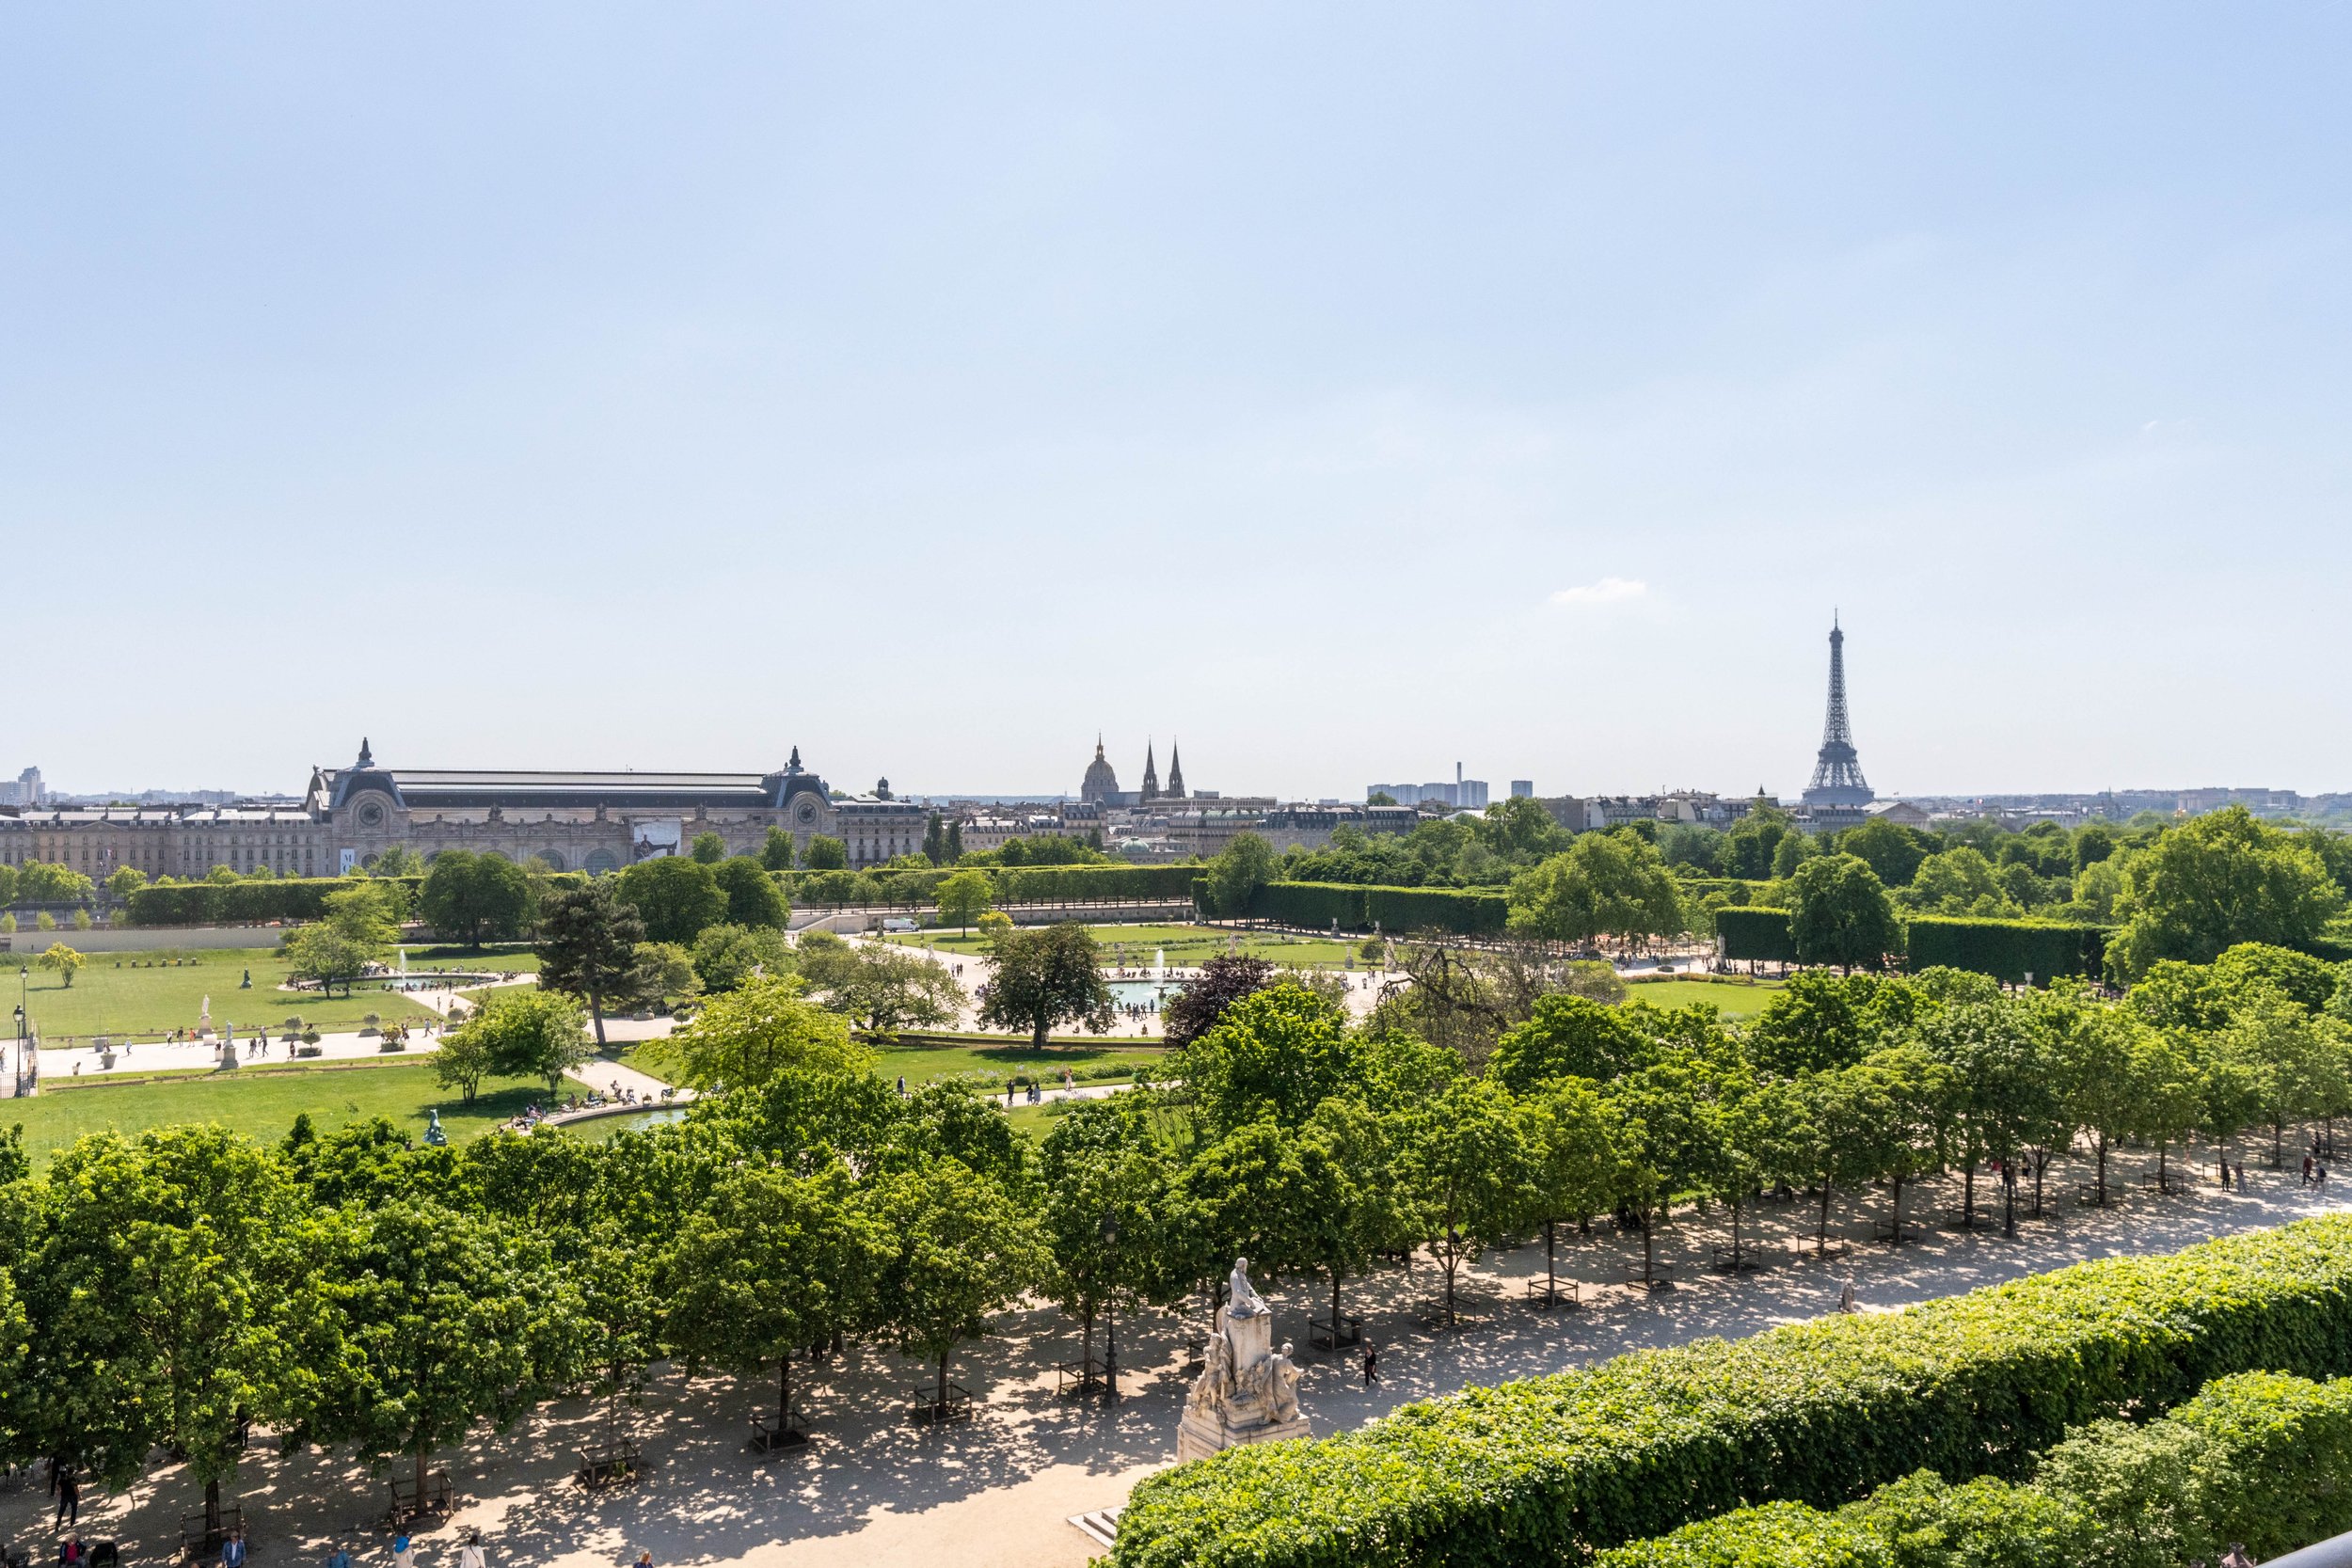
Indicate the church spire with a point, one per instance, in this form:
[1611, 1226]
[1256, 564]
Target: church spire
[1175, 772]
[1151, 775]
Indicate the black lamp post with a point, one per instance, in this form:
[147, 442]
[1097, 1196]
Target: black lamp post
[1110, 1310]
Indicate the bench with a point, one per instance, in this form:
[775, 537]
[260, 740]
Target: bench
[929, 1407]
[611, 1465]
[1078, 1378]
[774, 1434]
[410, 1501]
[1662, 1276]
[1882, 1233]
[1331, 1336]
[1729, 1259]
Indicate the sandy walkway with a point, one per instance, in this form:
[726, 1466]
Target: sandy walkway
[997, 1491]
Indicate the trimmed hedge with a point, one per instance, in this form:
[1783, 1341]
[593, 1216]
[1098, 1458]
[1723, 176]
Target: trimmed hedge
[1755, 933]
[1545, 1469]
[2257, 1457]
[286, 898]
[2008, 949]
[1398, 910]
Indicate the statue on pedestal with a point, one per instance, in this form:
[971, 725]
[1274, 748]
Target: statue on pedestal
[434, 1136]
[1248, 1392]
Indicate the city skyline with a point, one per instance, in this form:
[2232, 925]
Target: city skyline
[1335, 389]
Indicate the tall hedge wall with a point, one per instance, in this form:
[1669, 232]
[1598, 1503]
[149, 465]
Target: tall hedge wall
[287, 899]
[1398, 910]
[1550, 1469]
[2008, 949]
[1755, 933]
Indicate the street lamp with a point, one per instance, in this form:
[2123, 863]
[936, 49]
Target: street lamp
[1110, 1310]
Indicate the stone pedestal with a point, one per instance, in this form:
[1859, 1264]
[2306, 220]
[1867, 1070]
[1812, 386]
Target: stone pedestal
[1199, 1437]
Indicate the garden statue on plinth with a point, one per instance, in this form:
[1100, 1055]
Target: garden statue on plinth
[434, 1136]
[1248, 1391]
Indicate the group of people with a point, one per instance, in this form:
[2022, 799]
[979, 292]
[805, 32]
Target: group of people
[2314, 1169]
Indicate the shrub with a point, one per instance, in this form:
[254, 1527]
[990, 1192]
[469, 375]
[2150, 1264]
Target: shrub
[1547, 1469]
[1755, 933]
[2257, 1457]
[1397, 911]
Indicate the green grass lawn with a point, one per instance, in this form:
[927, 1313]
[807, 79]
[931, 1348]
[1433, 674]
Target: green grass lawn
[262, 1101]
[1187, 946]
[493, 959]
[1733, 998]
[982, 1065]
[110, 997]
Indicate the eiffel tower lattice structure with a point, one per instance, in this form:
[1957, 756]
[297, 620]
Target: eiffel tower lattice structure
[1838, 779]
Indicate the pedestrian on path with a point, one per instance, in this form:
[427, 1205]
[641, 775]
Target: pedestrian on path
[404, 1551]
[338, 1558]
[2308, 1164]
[471, 1554]
[1372, 1363]
[232, 1550]
[69, 1497]
[645, 1559]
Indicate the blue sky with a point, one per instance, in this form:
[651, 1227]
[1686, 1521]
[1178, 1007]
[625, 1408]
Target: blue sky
[1345, 390]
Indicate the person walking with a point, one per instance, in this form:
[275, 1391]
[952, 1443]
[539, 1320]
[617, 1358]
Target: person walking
[232, 1550]
[2307, 1163]
[338, 1558]
[69, 1497]
[404, 1551]
[471, 1554]
[645, 1559]
[1372, 1363]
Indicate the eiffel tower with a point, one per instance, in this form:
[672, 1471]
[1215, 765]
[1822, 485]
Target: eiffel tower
[1838, 779]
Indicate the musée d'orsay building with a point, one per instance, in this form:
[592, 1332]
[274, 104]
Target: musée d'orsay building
[573, 821]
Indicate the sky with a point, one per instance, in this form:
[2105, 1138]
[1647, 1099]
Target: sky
[1343, 392]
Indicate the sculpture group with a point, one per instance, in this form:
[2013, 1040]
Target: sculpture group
[1248, 1391]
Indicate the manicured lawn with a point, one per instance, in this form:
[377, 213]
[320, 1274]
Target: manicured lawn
[984, 1066]
[110, 997]
[262, 1101]
[494, 959]
[1733, 1000]
[1185, 946]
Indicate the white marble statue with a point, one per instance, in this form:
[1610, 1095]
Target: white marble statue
[1248, 1391]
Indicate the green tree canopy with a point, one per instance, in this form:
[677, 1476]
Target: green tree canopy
[588, 947]
[1043, 977]
[2215, 881]
[1245, 864]
[748, 1038]
[883, 988]
[825, 853]
[1604, 884]
[1838, 914]
[1276, 1053]
[959, 1249]
[675, 898]
[726, 956]
[754, 899]
[708, 849]
[475, 899]
[962, 897]
[529, 1034]
[1569, 1037]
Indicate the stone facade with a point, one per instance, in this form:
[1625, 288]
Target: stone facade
[574, 821]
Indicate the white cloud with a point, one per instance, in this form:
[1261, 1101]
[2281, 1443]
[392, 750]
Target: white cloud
[1606, 591]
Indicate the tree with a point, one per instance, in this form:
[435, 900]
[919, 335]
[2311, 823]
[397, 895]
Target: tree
[126, 880]
[61, 961]
[1245, 864]
[1913, 1091]
[1569, 1037]
[1575, 1160]
[1471, 1170]
[166, 1278]
[1890, 849]
[2216, 881]
[775, 852]
[1108, 1213]
[439, 1318]
[398, 861]
[772, 1264]
[1958, 881]
[748, 1038]
[588, 947]
[463, 1059]
[529, 1034]
[708, 849]
[661, 971]
[1821, 1021]
[955, 840]
[1753, 842]
[41, 882]
[1751, 1132]
[1847, 1116]
[675, 899]
[883, 988]
[726, 956]
[754, 899]
[2094, 1054]
[959, 1250]
[1838, 914]
[1043, 977]
[2004, 1094]
[962, 897]
[1276, 1053]
[1223, 980]
[475, 899]
[826, 853]
[1604, 884]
